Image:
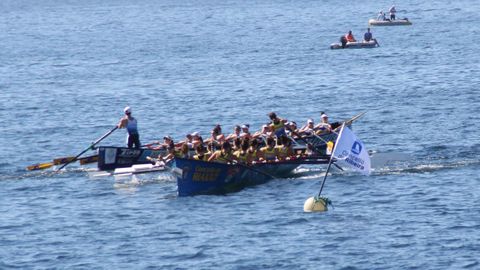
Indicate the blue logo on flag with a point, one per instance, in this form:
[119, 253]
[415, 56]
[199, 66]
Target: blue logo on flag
[356, 148]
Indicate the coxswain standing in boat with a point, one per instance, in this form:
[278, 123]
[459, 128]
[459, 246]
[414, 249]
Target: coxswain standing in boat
[130, 123]
[392, 11]
[277, 125]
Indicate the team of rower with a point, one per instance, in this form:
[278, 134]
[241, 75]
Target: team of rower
[241, 146]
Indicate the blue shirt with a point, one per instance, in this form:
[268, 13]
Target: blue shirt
[367, 36]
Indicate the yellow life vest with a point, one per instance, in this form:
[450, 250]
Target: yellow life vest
[221, 158]
[278, 126]
[197, 157]
[269, 154]
[282, 151]
[243, 158]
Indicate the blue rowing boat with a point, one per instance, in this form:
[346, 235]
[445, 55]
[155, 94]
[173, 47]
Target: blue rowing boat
[196, 177]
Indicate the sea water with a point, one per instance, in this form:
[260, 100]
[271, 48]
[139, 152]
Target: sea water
[68, 68]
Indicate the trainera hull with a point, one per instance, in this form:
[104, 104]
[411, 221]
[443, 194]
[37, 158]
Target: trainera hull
[199, 177]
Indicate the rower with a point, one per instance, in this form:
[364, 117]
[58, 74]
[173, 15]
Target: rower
[324, 127]
[235, 134]
[217, 136]
[200, 153]
[308, 129]
[277, 125]
[253, 149]
[284, 148]
[268, 153]
[130, 123]
[224, 155]
[245, 132]
[243, 155]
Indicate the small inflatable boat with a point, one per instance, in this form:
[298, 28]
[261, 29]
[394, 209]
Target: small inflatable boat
[404, 21]
[355, 45]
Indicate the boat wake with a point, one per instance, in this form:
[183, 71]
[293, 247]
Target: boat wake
[392, 163]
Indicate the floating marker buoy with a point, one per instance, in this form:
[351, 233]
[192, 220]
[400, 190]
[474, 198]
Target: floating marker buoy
[314, 204]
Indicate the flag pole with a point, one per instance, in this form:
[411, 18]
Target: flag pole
[330, 162]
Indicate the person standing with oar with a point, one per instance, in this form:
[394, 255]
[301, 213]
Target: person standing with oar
[130, 123]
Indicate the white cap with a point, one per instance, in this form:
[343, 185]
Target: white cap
[127, 110]
[324, 116]
[309, 121]
[244, 126]
[195, 133]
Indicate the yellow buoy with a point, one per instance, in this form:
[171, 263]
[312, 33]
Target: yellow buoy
[313, 204]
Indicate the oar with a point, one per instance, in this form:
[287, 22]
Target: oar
[40, 166]
[349, 121]
[90, 146]
[307, 143]
[250, 168]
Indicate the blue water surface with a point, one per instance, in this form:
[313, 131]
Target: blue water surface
[68, 68]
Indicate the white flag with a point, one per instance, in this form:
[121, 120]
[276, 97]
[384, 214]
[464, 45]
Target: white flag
[351, 152]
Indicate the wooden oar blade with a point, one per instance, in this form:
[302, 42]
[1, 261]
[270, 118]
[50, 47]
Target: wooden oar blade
[89, 159]
[63, 160]
[40, 166]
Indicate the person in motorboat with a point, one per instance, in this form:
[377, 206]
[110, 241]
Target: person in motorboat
[381, 16]
[130, 123]
[392, 11]
[324, 127]
[235, 134]
[268, 153]
[277, 125]
[343, 41]
[224, 155]
[367, 37]
[349, 37]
